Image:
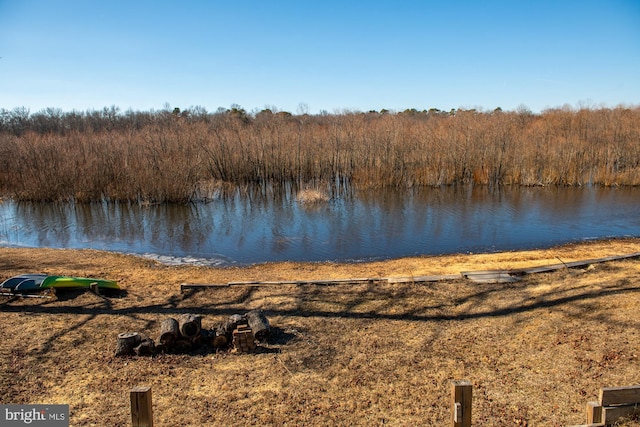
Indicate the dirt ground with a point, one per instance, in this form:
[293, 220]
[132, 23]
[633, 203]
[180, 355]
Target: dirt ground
[536, 351]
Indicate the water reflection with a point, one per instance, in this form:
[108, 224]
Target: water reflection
[257, 226]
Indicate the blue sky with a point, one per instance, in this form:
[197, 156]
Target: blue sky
[311, 55]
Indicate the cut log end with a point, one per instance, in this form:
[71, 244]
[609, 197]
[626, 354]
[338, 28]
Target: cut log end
[127, 341]
[259, 324]
[145, 348]
[219, 341]
[169, 331]
[190, 325]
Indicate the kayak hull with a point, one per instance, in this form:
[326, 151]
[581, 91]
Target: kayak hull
[77, 282]
[35, 282]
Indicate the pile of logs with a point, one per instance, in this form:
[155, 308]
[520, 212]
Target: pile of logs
[185, 334]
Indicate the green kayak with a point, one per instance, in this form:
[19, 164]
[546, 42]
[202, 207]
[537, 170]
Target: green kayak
[34, 282]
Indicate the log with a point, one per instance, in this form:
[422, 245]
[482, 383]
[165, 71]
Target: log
[232, 323]
[145, 348]
[189, 325]
[182, 345]
[127, 341]
[259, 324]
[223, 332]
[169, 331]
[219, 341]
[200, 340]
[206, 335]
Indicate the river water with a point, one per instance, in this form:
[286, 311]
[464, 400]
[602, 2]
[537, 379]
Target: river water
[241, 229]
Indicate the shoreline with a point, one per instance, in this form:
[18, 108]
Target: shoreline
[138, 270]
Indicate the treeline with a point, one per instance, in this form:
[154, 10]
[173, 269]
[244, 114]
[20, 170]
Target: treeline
[182, 156]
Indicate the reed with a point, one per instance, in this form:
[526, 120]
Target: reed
[188, 156]
[312, 196]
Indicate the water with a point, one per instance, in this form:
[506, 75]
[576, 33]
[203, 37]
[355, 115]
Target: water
[253, 228]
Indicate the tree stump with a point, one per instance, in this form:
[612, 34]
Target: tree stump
[169, 331]
[127, 341]
[259, 324]
[189, 325]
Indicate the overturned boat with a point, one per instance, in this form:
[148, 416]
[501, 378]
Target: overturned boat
[36, 282]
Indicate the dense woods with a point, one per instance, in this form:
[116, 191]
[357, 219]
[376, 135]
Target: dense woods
[182, 156]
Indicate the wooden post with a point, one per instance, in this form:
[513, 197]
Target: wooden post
[594, 412]
[461, 395]
[94, 288]
[141, 408]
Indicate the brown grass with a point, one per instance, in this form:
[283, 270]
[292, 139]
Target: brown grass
[536, 351]
[312, 196]
[177, 158]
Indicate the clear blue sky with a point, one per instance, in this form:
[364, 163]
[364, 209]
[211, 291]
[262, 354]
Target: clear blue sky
[328, 55]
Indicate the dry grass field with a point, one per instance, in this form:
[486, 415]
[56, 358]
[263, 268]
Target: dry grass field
[346, 355]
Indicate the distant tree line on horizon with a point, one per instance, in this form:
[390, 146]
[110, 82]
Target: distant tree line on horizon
[174, 155]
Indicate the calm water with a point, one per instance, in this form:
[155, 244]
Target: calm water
[246, 229]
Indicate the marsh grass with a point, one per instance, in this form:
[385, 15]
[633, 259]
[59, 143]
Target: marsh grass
[312, 196]
[184, 158]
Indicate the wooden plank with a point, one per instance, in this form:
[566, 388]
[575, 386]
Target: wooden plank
[587, 262]
[574, 264]
[466, 273]
[422, 279]
[611, 414]
[461, 399]
[490, 277]
[480, 276]
[185, 286]
[357, 280]
[594, 412]
[610, 396]
[264, 283]
[309, 282]
[539, 269]
[141, 407]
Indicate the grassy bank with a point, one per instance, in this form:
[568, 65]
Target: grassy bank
[185, 156]
[536, 350]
